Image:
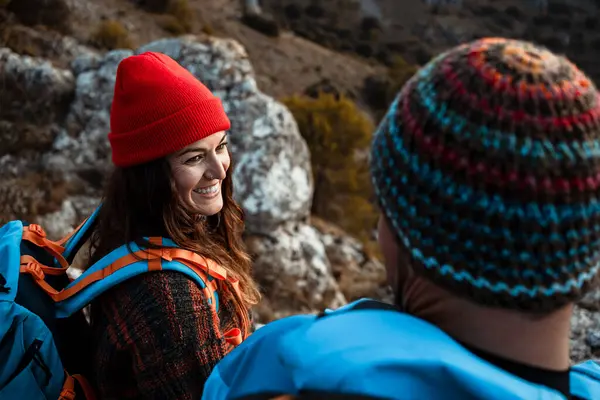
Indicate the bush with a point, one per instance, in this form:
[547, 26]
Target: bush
[208, 29]
[292, 11]
[338, 133]
[157, 6]
[53, 14]
[315, 11]
[182, 13]
[379, 91]
[111, 34]
[172, 25]
[323, 86]
[364, 49]
[261, 23]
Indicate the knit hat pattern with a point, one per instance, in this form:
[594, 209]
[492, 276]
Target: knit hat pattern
[487, 166]
[158, 108]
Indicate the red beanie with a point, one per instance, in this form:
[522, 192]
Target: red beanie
[159, 107]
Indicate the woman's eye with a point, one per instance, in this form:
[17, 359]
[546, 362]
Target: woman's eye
[222, 146]
[194, 159]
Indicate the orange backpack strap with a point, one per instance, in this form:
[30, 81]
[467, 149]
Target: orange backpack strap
[128, 261]
[122, 264]
[69, 391]
[35, 234]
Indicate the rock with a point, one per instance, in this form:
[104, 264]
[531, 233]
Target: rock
[30, 195]
[19, 137]
[73, 211]
[33, 89]
[591, 301]
[12, 166]
[83, 144]
[45, 44]
[293, 270]
[251, 7]
[357, 274]
[60, 222]
[593, 340]
[585, 328]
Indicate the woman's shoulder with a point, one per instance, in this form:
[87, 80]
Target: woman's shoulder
[152, 294]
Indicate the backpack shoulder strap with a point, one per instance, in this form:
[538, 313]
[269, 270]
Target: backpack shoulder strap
[585, 380]
[76, 238]
[130, 260]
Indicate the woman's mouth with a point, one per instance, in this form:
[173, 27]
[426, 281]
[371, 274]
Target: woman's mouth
[210, 191]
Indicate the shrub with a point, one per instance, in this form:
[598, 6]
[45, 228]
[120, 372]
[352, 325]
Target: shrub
[111, 34]
[315, 11]
[292, 11]
[370, 23]
[172, 25]
[379, 91]
[364, 49]
[261, 23]
[338, 133]
[53, 14]
[208, 29]
[157, 6]
[182, 13]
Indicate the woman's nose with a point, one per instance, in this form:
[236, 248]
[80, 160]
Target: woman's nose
[216, 170]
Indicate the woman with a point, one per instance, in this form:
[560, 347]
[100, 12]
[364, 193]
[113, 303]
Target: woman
[156, 336]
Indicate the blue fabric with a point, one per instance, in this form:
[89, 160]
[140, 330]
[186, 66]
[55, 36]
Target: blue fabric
[254, 365]
[371, 352]
[25, 341]
[74, 240]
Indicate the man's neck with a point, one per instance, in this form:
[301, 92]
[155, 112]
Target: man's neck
[538, 341]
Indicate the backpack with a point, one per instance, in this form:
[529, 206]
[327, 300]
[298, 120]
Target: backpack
[370, 350]
[44, 336]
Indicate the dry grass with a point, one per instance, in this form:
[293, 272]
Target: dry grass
[179, 17]
[111, 34]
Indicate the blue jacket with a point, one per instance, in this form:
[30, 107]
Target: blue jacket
[375, 352]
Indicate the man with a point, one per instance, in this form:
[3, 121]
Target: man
[487, 170]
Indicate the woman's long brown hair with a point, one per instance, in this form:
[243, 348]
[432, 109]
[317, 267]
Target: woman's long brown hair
[142, 201]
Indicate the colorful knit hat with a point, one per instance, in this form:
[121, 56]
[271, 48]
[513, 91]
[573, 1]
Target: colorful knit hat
[159, 107]
[487, 165]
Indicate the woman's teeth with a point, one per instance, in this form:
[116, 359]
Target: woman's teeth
[208, 190]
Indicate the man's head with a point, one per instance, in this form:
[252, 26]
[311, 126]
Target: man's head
[487, 170]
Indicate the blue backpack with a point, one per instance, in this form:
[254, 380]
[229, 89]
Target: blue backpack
[44, 336]
[369, 350]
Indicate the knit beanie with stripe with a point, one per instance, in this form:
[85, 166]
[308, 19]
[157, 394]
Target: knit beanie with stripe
[487, 166]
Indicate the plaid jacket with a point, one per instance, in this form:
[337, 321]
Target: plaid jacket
[156, 337]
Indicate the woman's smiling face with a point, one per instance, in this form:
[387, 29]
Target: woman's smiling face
[199, 170]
